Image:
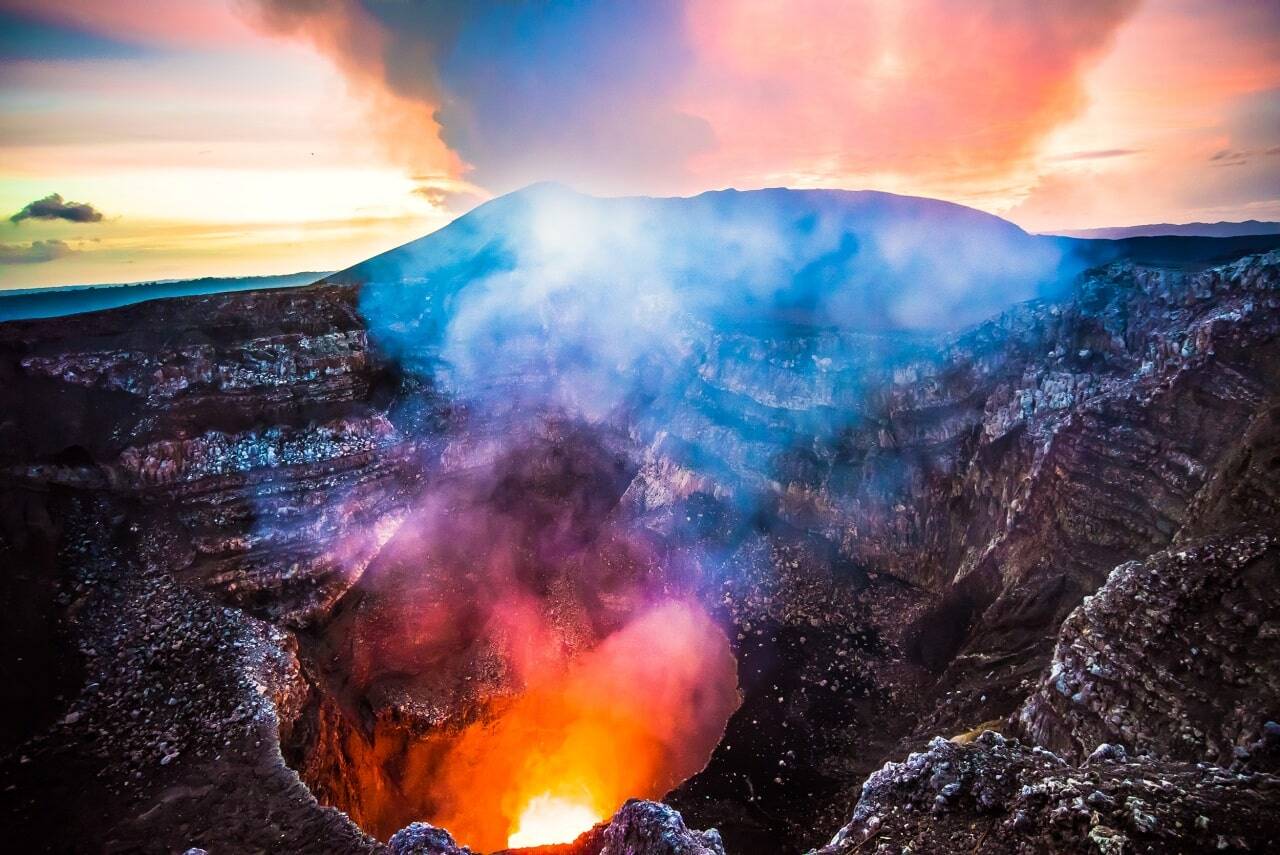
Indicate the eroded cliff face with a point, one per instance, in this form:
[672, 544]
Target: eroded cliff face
[255, 425]
[1171, 657]
[998, 480]
[173, 472]
[897, 545]
[998, 795]
[1153, 727]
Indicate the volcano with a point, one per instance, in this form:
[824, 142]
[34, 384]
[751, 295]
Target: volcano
[816, 520]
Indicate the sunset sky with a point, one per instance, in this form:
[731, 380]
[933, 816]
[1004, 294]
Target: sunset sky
[237, 137]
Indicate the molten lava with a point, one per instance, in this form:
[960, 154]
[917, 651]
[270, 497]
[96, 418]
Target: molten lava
[632, 717]
[552, 819]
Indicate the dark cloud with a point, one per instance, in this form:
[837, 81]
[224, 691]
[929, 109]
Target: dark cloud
[521, 91]
[1239, 157]
[445, 195]
[54, 207]
[1096, 154]
[36, 252]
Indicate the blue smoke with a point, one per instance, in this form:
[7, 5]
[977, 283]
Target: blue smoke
[550, 299]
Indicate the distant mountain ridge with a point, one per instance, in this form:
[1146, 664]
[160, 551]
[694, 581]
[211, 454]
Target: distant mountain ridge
[866, 258]
[62, 300]
[1222, 228]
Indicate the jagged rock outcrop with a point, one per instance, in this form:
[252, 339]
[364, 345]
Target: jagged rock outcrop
[647, 828]
[1173, 657]
[423, 838]
[995, 795]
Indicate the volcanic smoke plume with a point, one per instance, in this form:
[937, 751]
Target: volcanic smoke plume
[527, 653]
[531, 662]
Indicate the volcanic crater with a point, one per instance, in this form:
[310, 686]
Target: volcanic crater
[340, 569]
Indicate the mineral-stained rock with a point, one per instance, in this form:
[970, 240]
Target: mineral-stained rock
[647, 828]
[996, 795]
[1174, 656]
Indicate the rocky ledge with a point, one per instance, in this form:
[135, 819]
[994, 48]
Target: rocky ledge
[999, 795]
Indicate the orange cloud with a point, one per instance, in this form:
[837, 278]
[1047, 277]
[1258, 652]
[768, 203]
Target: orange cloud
[1193, 87]
[403, 116]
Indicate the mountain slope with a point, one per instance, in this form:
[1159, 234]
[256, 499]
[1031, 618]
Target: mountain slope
[1218, 230]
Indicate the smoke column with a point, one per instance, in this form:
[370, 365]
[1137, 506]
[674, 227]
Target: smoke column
[568, 643]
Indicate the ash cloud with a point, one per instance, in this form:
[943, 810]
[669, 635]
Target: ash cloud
[36, 252]
[518, 91]
[54, 207]
[515, 584]
[715, 331]
[559, 353]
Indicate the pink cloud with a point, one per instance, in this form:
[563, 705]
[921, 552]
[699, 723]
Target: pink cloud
[1186, 82]
[921, 87]
[186, 22]
[813, 91]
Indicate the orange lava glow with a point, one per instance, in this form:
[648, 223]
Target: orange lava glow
[552, 819]
[631, 717]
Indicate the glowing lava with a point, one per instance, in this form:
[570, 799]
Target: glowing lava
[632, 717]
[552, 819]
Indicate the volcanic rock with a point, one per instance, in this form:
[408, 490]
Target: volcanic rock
[648, 828]
[1172, 657]
[421, 838]
[997, 795]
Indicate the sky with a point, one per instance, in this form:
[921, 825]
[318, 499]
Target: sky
[143, 140]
